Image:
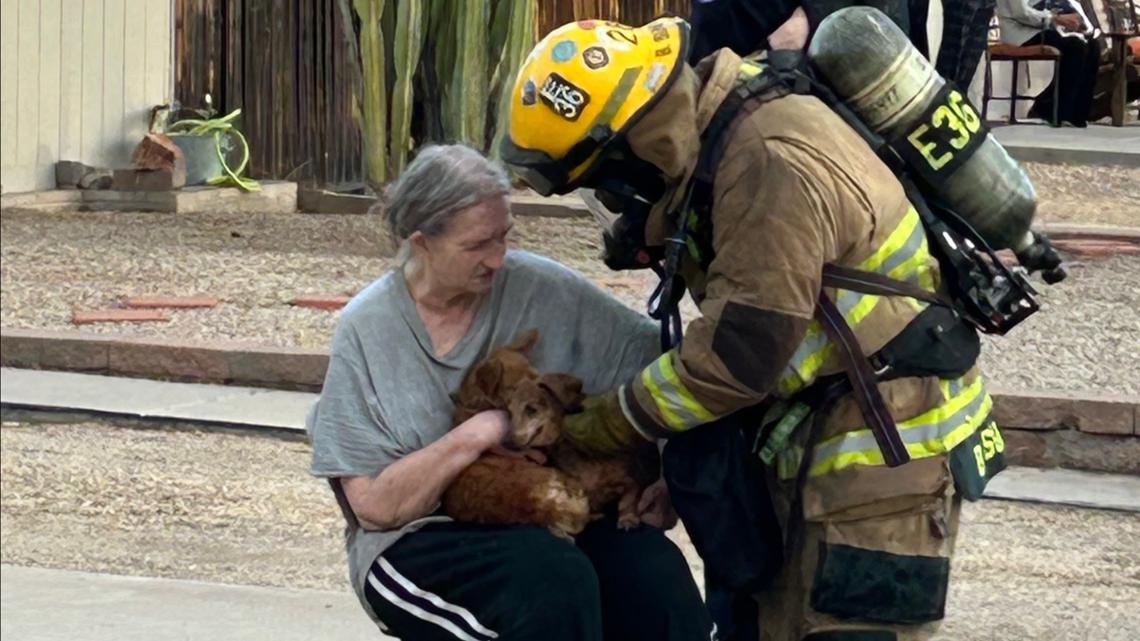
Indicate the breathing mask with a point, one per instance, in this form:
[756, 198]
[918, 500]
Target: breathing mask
[620, 193]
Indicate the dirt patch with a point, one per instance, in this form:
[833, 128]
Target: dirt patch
[238, 508]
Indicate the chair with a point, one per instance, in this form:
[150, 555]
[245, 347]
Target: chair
[1001, 52]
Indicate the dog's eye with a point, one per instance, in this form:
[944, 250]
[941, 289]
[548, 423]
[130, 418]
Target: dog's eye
[530, 411]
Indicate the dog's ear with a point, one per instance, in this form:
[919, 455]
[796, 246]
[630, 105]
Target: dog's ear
[489, 377]
[566, 388]
[525, 341]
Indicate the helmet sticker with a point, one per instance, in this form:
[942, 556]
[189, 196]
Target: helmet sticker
[656, 73]
[587, 24]
[663, 51]
[595, 57]
[563, 51]
[528, 92]
[563, 97]
[623, 36]
[659, 32]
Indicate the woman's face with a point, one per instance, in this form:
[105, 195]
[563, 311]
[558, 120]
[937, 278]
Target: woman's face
[465, 257]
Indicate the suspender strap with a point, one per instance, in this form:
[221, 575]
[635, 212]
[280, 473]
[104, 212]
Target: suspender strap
[865, 282]
[864, 384]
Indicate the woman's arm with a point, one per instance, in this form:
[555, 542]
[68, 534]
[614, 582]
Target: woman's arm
[1020, 11]
[412, 486]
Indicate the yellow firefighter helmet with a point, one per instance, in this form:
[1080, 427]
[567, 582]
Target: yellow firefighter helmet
[581, 87]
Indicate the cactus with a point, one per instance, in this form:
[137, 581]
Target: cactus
[517, 39]
[374, 103]
[408, 42]
[442, 70]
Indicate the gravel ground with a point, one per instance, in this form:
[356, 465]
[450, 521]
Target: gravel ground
[1108, 195]
[1087, 338]
[237, 508]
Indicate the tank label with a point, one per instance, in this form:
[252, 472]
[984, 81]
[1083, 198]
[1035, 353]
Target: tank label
[943, 137]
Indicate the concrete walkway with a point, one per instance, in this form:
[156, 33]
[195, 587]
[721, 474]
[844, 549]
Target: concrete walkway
[1096, 145]
[61, 605]
[138, 397]
[260, 408]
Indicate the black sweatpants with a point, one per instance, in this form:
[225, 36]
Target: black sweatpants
[1077, 76]
[965, 30]
[475, 583]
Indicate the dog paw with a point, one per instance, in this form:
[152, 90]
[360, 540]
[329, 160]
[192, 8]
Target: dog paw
[627, 521]
[561, 534]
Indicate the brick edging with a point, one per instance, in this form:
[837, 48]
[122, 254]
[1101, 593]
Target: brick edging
[297, 368]
[216, 362]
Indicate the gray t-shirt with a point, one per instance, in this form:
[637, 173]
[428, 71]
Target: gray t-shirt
[386, 393]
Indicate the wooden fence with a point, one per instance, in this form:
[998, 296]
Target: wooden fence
[285, 64]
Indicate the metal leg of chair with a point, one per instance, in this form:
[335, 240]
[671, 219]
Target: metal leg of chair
[1013, 93]
[987, 88]
[1056, 92]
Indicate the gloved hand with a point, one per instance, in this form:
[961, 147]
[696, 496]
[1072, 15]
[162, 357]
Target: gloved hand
[601, 428]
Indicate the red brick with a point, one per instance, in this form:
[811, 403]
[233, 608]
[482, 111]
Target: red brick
[157, 151]
[18, 350]
[1097, 248]
[277, 366]
[119, 316]
[322, 301]
[1095, 414]
[159, 358]
[148, 179]
[45, 349]
[170, 302]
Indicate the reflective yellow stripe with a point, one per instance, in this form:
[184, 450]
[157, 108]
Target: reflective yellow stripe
[904, 255]
[678, 407]
[749, 68]
[931, 433]
[894, 242]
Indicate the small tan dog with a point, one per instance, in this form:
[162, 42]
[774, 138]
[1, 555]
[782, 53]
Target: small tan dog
[516, 486]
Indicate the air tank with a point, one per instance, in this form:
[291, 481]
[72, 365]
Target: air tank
[874, 68]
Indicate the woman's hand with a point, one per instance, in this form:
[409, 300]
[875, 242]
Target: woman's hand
[655, 508]
[1067, 21]
[488, 428]
[412, 486]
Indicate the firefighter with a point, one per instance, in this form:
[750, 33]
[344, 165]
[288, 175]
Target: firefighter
[759, 208]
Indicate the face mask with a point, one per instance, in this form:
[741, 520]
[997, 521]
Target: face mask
[622, 218]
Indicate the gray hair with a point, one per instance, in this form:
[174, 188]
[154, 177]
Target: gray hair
[442, 181]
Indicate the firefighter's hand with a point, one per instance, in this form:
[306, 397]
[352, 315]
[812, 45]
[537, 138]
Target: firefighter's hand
[601, 428]
[655, 508]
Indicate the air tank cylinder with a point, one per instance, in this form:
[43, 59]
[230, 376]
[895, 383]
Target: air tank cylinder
[873, 67]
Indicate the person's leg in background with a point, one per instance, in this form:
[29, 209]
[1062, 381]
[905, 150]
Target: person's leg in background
[955, 17]
[452, 581]
[964, 35]
[647, 590]
[1087, 82]
[975, 42]
[918, 13]
[1075, 93]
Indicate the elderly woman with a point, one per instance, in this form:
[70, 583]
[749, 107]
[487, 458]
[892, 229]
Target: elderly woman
[382, 431]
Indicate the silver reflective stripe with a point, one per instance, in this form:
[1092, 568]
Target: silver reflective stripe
[922, 433]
